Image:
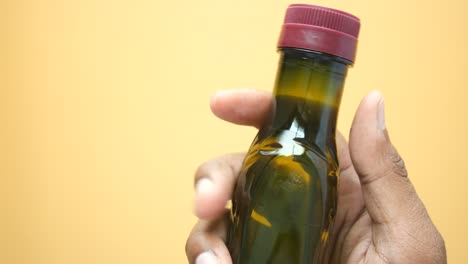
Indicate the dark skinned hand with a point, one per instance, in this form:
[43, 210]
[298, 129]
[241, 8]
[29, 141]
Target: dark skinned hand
[380, 218]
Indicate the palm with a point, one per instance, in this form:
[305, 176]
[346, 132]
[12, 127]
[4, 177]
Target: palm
[352, 231]
[352, 223]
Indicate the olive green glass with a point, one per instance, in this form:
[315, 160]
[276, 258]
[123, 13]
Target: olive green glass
[285, 200]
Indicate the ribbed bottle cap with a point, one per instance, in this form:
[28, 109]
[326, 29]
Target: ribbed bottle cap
[320, 29]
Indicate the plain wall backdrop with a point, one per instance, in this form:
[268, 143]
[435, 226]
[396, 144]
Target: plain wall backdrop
[104, 114]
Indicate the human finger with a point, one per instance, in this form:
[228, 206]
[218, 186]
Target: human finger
[206, 243]
[242, 106]
[387, 191]
[214, 183]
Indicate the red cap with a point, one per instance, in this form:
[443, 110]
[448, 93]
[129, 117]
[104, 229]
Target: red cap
[320, 29]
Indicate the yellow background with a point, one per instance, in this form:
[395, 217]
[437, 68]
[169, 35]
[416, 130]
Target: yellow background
[104, 114]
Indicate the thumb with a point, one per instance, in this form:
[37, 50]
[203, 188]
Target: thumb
[388, 194]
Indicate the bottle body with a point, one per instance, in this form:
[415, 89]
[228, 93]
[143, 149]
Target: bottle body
[285, 199]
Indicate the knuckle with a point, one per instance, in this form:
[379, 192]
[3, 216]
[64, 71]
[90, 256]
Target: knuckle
[193, 245]
[226, 165]
[390, 163]
[398, 164]
[187, 245]
[205, 170]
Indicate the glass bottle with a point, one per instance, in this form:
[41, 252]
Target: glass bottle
[285, 200]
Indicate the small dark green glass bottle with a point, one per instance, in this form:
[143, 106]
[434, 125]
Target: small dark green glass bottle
[285, 200]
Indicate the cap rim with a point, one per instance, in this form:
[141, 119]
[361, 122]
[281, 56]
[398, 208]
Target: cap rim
[326, 8]
[318, 39]
[320, 29]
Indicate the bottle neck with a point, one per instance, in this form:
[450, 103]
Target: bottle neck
[307, 94]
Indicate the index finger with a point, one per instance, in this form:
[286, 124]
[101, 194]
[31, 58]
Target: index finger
[243, 107]
[251, 107]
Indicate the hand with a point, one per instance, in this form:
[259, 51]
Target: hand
[380, 218]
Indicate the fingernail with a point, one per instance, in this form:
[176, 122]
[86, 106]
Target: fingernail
[381, 114]
[204, 185]
[206, 258]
